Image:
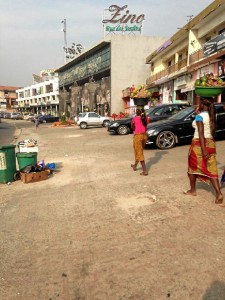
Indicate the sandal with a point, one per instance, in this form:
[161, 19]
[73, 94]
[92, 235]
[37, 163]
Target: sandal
[134, 167]
[144, 173]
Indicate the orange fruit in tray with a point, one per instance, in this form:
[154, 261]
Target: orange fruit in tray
[209, 80]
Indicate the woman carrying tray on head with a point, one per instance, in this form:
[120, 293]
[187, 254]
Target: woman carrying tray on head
[202, 154]
[139, 126]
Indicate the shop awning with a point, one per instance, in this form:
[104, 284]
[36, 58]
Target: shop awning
[162, 80]
[187, 89]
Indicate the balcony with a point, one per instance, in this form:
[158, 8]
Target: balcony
[196, 56]
[193, 58]
[170, 70]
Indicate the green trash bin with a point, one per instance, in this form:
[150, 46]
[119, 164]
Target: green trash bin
[7, 163]
[26, 158]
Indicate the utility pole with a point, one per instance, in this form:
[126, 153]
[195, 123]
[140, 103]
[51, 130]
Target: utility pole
[65, 40]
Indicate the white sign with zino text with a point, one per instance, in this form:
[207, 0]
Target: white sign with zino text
[2, 161]
[119, 19]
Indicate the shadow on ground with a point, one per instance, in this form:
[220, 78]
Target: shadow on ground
[154, 160]
[215, 292]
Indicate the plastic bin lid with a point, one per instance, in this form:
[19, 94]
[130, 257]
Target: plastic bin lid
[26, 154]
[7, 146]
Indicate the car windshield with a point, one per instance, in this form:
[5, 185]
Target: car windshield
[149, 110]
[182, 114]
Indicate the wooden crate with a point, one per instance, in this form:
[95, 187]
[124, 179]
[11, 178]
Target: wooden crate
[33, 176]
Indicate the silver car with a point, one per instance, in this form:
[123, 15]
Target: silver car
[86, 119]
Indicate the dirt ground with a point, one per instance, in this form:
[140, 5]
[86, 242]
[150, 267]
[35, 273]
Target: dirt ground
[97, 230]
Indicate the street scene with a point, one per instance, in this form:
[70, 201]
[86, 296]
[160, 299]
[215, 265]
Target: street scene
[95, 229]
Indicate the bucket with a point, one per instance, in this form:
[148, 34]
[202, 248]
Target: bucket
[26, 158]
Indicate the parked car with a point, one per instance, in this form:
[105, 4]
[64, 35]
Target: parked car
[86, 119]
[6, 115]
[16, 116]
[46, 119]
[166, 134]
[28, 117]
[123, 126]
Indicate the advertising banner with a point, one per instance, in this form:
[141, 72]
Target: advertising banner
[118, 19]
[214, 45]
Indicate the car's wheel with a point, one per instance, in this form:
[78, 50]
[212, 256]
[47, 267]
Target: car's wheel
[44, 121]
[122, 130]
[105, 123]
[165, 140]
[83, 125]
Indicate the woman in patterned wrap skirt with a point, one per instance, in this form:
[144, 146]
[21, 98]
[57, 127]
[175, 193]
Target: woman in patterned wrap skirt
[202, 153]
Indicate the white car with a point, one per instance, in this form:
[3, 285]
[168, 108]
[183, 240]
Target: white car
[28, 117]
[86, 119]
[16, 116]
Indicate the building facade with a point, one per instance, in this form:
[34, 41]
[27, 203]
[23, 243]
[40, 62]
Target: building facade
[196, 49]
[41, 97]
[95, 79]
[8, 98]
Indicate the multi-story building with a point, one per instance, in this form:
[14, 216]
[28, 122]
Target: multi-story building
[8, 98]
[196, 49]
[95, 79]
[42, 96]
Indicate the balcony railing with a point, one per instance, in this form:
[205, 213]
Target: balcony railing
[170, 70]
[194, 57]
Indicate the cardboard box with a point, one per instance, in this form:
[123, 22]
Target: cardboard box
[33, 176]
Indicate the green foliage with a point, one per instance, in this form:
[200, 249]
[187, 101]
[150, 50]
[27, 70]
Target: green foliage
[63, 118]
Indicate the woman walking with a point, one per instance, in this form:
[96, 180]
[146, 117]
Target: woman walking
[139, 126]
[36, 123]
[202, 153]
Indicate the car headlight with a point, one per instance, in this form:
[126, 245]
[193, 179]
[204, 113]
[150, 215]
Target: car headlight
[114, 124]
[151, 132]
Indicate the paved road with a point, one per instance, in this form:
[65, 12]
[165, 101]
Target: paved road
[97, 230]
[10, 129]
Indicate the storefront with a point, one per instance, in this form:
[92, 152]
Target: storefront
[94, 80]
[85, 82]
[183, 89]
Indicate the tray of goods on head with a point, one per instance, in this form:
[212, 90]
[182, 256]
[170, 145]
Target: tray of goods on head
[209, 85]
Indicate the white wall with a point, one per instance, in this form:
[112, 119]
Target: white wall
[128, 57]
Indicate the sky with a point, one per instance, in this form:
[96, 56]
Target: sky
[31, 39]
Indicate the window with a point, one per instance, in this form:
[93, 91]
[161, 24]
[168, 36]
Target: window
[93, 115]
[159, 112]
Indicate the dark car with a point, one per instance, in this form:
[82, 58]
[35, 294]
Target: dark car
[47, 119]
[166, 134]
[123, 126]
